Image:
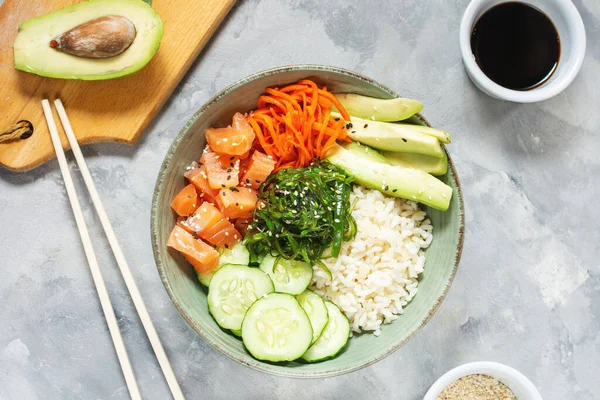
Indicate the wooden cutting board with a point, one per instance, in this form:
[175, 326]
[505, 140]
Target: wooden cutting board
[115, 110]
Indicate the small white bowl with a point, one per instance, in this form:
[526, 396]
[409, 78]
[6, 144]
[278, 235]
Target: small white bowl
[516, 381]
[568, 23]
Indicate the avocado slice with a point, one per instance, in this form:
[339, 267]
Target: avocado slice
[393, 137]
[388, 110]
[36, 49]
[366, 152]
[431, 165]
[408, 183]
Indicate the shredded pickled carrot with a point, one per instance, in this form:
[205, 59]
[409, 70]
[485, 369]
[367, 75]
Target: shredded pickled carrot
[293, 124]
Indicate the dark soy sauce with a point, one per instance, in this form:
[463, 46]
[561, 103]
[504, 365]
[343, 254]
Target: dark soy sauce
[516, 45]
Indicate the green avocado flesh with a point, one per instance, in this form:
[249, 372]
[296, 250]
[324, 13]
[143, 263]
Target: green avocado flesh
[389, 136]
[32, 51]
[362, 151]
[408, 183]
[432, 165]
[396, 109]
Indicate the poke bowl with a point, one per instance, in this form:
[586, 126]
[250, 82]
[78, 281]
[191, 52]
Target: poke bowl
[372, 339]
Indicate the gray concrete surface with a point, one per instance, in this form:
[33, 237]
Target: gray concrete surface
[526, 293]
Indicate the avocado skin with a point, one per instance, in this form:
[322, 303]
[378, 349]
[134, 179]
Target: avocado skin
[408, 183]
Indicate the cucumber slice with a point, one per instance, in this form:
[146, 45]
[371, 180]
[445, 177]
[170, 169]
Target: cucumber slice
[289, 276]
[315, 308]
[333, 339]
[276, 329]
[238, 254]
[232, 291]
[237, 332]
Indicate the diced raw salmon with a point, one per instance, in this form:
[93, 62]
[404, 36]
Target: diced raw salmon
[237, 203]
[222, 234]
[222, 171]
[186, 201]
[259, 168]
[241, 224]
[203, 218]
[236, 139]
[199, 178]
[202, 256]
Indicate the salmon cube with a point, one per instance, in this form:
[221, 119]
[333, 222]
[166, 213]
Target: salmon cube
[186, 201]
[222, 171]
[222, 234]
[202, 256]
[235, 140]
[238, 202]
[199, 178]
[259, 168]
[203, 218]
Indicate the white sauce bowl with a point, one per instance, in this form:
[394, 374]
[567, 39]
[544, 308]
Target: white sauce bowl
[516, 381]
[569, 25]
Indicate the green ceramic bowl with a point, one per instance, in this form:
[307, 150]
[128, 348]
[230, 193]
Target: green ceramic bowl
[190, 297]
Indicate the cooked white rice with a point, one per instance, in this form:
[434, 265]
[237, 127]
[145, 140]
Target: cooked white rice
[376, 274]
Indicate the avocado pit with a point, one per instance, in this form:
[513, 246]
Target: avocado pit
[102, 37]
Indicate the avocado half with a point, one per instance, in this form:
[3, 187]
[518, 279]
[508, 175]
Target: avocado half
[33, 53]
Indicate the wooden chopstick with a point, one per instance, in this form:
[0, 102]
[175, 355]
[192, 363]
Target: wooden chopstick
[120, 257]
[107, 308]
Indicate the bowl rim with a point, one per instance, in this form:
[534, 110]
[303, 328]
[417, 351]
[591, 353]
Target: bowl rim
[491, 368]
[255, 364]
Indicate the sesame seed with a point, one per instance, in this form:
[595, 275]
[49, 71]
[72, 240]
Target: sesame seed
[228, 177]
[366, 126]
[226, 246]
[395, 190]
[222, 185]
[223, 193]
[404, 140]
[223, 167]
[229, 170]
